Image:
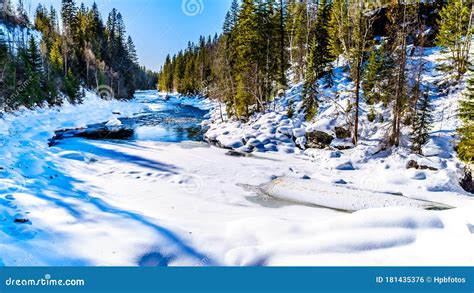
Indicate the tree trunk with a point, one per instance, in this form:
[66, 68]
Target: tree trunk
[282, 46]
[357, 101]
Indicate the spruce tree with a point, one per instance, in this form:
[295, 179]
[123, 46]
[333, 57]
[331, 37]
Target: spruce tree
[4, 66]
[455, 35]
[297, 28]
[132, 52]
[322, 52]
[466, 131]
[247, 42]
[350, 33]
[72, 88]
[422, 124]
[310, 87]
[371, 78]
[55, 56]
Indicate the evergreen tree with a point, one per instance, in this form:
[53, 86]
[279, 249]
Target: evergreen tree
[55, 56]
[455, 35]
[403, 21]
[21, 14]
[422, 124]
[72, 88]
[350, 30]
[281, 16]
[68, 15]
[33, 71]
[466, 131]
[247, 42]
[4, 66]
[310, 87]
[132, 52]
[322, 52]
[371, 78]
[298, 31]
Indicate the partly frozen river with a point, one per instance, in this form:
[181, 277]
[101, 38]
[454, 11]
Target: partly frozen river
[166, 119]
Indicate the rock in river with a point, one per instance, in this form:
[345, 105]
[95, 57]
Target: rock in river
[94, 132]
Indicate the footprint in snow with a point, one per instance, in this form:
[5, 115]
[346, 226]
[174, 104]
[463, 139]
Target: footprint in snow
[155, 259]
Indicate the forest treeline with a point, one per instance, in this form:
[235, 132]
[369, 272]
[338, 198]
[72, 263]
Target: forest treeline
[56, 54]
[268, 44]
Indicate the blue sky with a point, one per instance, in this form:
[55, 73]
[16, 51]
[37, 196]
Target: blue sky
[159, 27]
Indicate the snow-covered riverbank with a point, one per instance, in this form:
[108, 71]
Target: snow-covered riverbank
[154, 203]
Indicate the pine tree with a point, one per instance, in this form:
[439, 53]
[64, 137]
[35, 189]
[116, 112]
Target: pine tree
[323, 50]
[298, 33]
[132, 52]
[32, 91]
[403, 22]
[247, 41]
[310, 87]
[4, 66]
[55, 55]
[349, 31]
[281, 16]
[466, 131]
[34, 56]
[21, 14]
[422, 124]
[68, 15]
[371, 78]
[455, 35]
[38, 70]
[72, 88]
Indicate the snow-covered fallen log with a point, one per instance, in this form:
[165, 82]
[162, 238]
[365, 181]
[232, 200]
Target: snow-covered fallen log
[332, 196]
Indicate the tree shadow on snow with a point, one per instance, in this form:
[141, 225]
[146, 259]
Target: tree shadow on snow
[51, 184]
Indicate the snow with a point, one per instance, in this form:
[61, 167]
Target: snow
[114, 123]
[340, 198]
[146, 202]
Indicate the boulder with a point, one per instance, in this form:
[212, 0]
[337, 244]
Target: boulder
[342, 133]
[237, 154]
[412, 164]
[419, 162]
[318, 140]
[93, 133]
[340, 182]
[21, 221]
[347, 166]
[342, 144]
[467, 182]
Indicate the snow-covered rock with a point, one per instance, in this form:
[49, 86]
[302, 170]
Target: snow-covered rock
[113, 123]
